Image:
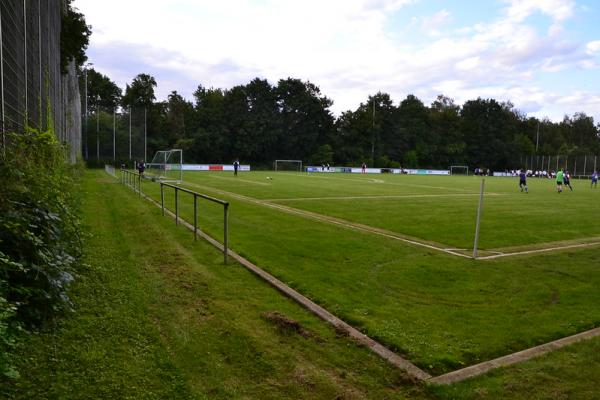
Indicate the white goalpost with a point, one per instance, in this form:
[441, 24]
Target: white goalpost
[288, 165]
[166, 165]
[459, 170]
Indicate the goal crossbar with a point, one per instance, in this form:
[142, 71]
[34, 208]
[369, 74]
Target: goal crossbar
[278, 164]
[166, 166]
[463, 168]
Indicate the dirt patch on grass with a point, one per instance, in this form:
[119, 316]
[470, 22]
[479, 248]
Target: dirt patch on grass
[286, 324]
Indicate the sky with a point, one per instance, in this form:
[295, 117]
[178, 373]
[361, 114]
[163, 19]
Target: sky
[541, 55]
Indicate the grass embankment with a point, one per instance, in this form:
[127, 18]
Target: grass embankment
[441, 312]
[160, 317]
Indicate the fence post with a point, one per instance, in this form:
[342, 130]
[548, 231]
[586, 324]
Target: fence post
[162, 198]
[478, 220]
[176, 208]
[225, 229]
[584, 164]
[140, 185]
[195, 217]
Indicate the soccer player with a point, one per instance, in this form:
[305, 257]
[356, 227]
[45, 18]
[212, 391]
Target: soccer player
[236, 165]
[523, 181]
[567, 180]
[141, 167]
[363, 168]
[594, 179]
[559, 180]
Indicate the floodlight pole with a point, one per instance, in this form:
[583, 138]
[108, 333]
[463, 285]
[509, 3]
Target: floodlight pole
[129, 133]
[2, 89]
[98, 128]
[373, 136]
[537, 138]
[145, 133]
[114, 135]
[479, 208]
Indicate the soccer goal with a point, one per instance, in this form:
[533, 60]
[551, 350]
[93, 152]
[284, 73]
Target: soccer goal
[288, 165]
[166, 165]
[459, 170]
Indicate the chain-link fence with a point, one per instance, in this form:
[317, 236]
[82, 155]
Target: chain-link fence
[33, 91]
[578, 166]
[116, 136]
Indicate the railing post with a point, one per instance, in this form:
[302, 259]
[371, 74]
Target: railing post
[478, 220]
[195, 217]
[176, 208]
[225, 228]
[162, 198]
[140, 185]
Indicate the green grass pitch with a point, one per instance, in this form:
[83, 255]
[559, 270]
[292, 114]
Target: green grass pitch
[440, 311]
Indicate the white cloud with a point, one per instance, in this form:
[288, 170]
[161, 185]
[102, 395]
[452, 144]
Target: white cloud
[593, 47]
[559, 10]
[344, 46]
[432, 25]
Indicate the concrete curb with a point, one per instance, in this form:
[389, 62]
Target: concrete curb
[524, 355]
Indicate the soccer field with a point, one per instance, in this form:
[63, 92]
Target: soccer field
[386, 253]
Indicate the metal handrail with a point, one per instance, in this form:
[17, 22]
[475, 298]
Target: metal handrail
[224, 203]
[129, 178]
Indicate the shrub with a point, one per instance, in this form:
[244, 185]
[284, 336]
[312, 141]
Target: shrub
[39, 235]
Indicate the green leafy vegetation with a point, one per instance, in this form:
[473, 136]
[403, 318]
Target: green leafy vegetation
[74, 37]
[39, 236]
[260, 122]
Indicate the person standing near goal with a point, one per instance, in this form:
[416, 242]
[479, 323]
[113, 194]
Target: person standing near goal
[363, 168]
[141, 167]
[594, 179]
[523, 181]
[236, 165]
[559, 180]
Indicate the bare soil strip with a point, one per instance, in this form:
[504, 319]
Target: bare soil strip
[482, 368]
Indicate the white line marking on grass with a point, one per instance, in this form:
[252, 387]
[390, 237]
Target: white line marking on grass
[391, 183]
[332, 220]
[233, 179]
[371, 180]
[518, 253]
[375, 197]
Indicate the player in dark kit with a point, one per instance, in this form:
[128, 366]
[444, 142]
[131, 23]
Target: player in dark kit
[523, 181]
[567, 180]
[236, 165]
[594, 179]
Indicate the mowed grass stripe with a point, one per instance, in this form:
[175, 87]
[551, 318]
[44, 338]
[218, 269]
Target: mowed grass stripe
[334, 221]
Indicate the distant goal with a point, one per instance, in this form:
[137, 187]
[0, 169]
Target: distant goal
[287, 165]
[459, 170]
[166, 166]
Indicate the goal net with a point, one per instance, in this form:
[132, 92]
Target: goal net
[166, 165]
[459, 170]
[288, 165]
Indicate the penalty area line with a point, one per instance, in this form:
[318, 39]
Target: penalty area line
[545, 250]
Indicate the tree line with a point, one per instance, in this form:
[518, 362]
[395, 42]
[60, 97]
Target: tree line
[259, 122]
